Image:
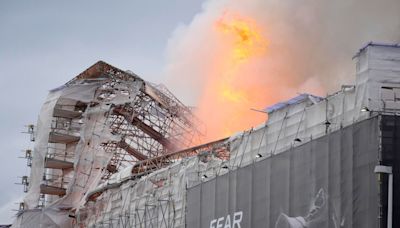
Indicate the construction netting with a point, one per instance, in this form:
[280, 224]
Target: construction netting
[93, 127]
[113, 150]
[328, 182]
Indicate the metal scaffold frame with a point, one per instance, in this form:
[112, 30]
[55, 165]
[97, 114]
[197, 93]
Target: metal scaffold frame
[99, 123]
[156, 199]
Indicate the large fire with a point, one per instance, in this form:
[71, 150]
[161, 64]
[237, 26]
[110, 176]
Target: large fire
[262, 52]
[245, 37]
[233, 88]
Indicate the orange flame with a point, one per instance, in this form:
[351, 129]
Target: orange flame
[248, 41]
[230, 93]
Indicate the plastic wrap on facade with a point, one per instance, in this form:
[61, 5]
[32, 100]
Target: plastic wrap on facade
[390, 128]
[328, 182]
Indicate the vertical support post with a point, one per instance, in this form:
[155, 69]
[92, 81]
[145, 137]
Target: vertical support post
[388, 170]
[390, 201]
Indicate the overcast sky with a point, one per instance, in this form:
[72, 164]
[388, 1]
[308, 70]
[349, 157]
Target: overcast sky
[43, 44]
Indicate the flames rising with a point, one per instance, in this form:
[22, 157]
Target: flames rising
[245, 42]
[247, 39]
[237, 55]
[231, 90]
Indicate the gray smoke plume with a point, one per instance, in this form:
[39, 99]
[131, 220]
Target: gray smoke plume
[315, 38]
[310, 47]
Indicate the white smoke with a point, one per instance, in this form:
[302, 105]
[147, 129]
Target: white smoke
[316, 37]
[310, 45]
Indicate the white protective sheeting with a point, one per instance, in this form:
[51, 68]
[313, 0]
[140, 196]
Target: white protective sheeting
[377, 89]
[40, 149]
[289, 125]
[87, 154]
[158, 199]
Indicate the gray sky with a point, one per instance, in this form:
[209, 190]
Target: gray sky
[43, 44]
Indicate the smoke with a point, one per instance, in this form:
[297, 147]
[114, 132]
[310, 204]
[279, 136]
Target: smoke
[308, 48]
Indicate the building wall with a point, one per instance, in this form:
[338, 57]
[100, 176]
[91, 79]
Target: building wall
[327, 182]
[390, 128]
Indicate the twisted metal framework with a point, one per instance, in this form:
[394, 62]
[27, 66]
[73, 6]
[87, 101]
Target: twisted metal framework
[149, 123]
[219, 149]
[113, 205]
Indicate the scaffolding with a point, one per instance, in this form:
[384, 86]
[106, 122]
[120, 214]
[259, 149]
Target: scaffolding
[112, 150]
[151, 193]
[131, 198]
[96, 125]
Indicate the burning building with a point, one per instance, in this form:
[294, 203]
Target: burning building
[112, 150]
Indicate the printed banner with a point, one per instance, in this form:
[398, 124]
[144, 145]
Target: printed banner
[328, 182]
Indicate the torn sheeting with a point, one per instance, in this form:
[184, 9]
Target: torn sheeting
[289, 125]
[43, 126]
[79, 126]
[156, 200]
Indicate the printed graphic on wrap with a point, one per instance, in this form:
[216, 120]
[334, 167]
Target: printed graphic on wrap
[328, 182]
